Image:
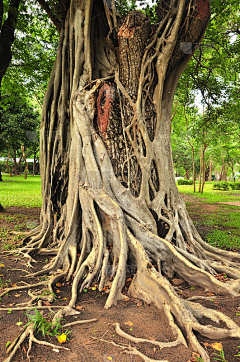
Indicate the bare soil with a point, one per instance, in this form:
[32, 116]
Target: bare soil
[85, 340]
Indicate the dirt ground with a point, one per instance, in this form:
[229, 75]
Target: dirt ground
[92, 341]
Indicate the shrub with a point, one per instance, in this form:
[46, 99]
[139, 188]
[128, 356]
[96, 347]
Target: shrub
[221, 185]
[185, 182]
[235, 185]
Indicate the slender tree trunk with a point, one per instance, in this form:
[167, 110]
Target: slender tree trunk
[210, 170]
[34, 163]
[201, 167]
[8, 168]
[224, 178]
[1, 173]
[19, 164]
[109, 194]
[15, 171]
[25, 160]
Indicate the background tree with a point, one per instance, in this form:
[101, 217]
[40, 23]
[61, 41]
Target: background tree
[18, 128]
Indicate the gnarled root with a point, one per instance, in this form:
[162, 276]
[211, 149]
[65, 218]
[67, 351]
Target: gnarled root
[29, 332]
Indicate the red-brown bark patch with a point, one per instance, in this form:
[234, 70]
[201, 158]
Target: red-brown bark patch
[103, 107]
[203, 7]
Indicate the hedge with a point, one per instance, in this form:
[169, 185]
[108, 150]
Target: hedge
[185, 182]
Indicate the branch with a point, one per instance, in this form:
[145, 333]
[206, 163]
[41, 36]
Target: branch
[55, 21]
[1, 13]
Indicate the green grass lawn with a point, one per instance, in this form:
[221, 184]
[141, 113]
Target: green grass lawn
[209, 195]
[16, 191]
[221, 226]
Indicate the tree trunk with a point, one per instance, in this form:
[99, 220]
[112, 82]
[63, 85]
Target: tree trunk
[25, 160]
[34, 163]
[15, 170]
[224, 176]
[1, 173]
[8, 168]
[201, 167]
[19, 164]
[210, 171]
[108, 186]
[7, 29]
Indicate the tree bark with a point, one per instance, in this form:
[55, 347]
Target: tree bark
[7, 35]
[110, 201]
[210, 170]
[8, 168]
[25, 160]
[15, 171]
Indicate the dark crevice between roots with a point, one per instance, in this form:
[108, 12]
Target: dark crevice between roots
[162, 227]
[154, 176]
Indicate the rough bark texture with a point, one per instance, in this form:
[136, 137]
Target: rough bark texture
[109, 195]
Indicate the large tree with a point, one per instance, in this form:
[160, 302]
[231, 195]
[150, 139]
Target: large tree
[109, 193]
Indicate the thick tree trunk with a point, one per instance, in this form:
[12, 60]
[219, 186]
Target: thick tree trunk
[108, 186]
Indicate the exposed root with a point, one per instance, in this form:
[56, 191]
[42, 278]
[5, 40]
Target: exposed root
[28, 333]
[130, 350]
[79, 322]
[161, 345]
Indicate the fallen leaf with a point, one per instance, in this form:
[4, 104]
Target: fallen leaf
[79, 307]
[14, 285]
[195, 354]
[19, 323]
[58, 291]
[8, 344]
[17, 295]
[58, 284]
[94, 288]
[217, 346]
[206, 344]
[154, 349]
[152, 339]
[2, 266]
[129, 279]
[62, 338]
[46, 303]
[110, 358]
[129, 323]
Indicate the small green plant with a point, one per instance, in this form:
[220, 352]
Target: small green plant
[40, 324]
[199, 359]
[220, 356]
[238, 354]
